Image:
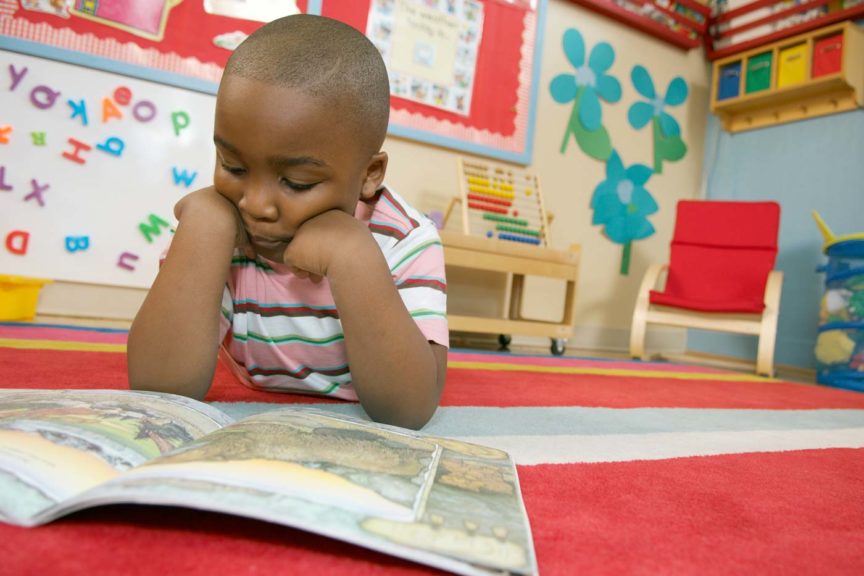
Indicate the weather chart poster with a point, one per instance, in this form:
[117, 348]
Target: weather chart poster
[430, 48]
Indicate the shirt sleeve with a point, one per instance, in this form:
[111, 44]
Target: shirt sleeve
[417, 265]
[226, 313]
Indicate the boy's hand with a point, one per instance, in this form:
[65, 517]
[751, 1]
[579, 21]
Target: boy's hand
[207, 199]
[324, 243]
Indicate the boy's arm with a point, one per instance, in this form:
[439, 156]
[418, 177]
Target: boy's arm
[397, 373]
[173, 341]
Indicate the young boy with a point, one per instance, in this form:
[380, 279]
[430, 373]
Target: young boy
[297, 261]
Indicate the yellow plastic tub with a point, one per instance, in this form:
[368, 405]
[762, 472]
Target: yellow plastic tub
[19, 296]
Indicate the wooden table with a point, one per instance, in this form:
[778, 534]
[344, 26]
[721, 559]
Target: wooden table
[517, 260]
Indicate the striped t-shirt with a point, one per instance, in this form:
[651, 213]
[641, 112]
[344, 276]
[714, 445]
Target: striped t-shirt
[283, 333]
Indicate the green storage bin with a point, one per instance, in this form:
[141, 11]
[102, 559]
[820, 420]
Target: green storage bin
[758, 73]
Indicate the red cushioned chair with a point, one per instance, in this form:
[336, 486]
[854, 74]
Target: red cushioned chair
[720, 275]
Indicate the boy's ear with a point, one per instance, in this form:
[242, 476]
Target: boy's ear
[375, 171]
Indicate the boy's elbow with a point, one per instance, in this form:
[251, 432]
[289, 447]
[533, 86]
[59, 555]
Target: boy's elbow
[411, 417]
[145, 380]
[412, 411]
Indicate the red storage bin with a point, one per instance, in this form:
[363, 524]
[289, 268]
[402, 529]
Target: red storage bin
[827, 55]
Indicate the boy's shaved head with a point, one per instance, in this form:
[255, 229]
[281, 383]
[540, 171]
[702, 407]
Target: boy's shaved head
[327, 59]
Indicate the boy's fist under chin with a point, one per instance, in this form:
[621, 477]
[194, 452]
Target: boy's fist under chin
[333, 238]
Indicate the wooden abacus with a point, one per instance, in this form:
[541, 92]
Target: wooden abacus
[501, 202]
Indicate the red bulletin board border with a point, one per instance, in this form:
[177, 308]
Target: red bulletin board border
[185, 50]
[500, 122]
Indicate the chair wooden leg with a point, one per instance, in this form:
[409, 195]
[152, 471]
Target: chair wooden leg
[640, 311]
[768, 328]
[637, 334]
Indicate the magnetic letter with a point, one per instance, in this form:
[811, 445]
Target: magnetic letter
[109, 110]
[153, 227]
[16, 76]
[19, 247]
[79, 109]
[37, 192]
[76, 243]
[121, 261]
[112, 145]
[122, 95]
[183, 177]
[3, 132]
[38, 138]
[180, 120]
[75, 156]
[3, 186]
[148, 112]
[48, 98]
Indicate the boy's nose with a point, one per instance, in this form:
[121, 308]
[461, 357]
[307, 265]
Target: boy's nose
[259, 203]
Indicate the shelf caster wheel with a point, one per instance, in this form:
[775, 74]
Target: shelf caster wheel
[504, 340]
[559, 345]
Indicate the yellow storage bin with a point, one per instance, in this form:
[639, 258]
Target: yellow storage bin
[792, 65]
[19, 296]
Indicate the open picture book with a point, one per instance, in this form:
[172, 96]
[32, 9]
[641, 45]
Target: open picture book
[449, 504]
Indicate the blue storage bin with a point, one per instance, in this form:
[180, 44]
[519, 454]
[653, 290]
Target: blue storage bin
[729, 83]
[840, 343]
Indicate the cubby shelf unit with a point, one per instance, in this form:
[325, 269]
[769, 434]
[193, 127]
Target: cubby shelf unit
[805, 79]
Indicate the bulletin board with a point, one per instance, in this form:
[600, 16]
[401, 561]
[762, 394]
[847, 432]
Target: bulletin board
[182, 44]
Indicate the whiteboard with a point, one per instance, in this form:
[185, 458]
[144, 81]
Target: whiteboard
[113, 180]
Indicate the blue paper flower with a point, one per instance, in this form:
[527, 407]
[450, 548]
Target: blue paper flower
[668, 145]
[655, 106]
[591, 79]
[622, 204]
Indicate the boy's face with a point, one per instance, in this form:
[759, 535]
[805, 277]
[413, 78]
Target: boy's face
[282, 158]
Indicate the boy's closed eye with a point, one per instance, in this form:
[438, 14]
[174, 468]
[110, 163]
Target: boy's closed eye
[296, 186]
[233, 170]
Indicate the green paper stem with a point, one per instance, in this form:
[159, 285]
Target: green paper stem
[658, 135]
[574, 118]
[666, 148]
[625, 259]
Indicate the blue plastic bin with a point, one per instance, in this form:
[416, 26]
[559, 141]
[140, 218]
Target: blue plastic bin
[840, 343]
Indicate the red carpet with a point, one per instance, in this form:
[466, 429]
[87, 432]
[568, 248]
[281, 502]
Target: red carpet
[771, 481]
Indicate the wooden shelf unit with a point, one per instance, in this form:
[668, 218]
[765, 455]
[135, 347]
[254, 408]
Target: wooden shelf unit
[682, 23]
[830, 93]
[478, 253]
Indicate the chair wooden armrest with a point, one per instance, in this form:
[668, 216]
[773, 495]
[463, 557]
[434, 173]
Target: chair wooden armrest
[768, 327]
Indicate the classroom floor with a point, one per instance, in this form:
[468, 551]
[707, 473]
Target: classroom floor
[473, 341]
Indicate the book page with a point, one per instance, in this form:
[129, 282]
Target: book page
[311, 456]
[55, 444]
